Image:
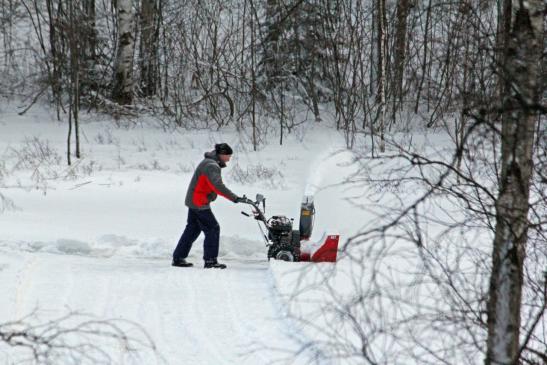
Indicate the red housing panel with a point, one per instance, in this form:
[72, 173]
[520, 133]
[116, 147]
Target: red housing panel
[325, 252]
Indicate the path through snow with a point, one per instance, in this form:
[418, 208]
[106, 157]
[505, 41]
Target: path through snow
[101, 246]
[194, 316]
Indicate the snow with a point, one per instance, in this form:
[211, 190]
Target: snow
[200, 316]
[97, 239]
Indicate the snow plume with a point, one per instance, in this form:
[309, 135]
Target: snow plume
[317, 171]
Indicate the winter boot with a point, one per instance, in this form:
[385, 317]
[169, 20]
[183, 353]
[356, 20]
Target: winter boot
[181, 263]
[213, 264]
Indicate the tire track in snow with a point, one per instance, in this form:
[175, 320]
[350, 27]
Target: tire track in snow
[211, 301]
[142, 311]
[69, 288]
[186, 322]
[247, 330]
[187, 327]
[26, 280]
[201, 316]
[162, 314]
[306, 348]
[108, 298]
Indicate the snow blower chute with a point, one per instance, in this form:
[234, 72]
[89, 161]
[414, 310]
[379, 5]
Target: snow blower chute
[284, 242]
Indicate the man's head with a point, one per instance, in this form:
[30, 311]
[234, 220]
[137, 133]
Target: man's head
[224, 152]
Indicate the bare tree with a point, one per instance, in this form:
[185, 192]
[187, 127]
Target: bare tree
[71, 26]
[382, 63]
[521, 93]
[76, 337]
[460, 226]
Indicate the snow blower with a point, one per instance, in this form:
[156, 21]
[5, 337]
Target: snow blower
[287, 244]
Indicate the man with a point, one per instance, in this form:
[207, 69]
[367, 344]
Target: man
[204, 187]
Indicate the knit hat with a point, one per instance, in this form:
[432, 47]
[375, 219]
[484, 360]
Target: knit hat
[223, 149]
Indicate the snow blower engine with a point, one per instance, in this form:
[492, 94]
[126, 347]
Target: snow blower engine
[284, 242]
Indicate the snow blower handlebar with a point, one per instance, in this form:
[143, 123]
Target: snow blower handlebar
[245, 200]
[257, 213]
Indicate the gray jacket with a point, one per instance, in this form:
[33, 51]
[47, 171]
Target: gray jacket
[207, 183]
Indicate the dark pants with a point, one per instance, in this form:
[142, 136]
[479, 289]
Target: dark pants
[199, 221]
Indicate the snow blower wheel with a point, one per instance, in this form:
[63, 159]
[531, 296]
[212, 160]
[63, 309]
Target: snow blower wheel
[284, 255]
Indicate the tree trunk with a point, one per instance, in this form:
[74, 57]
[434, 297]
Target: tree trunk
[461, 126]
[75, 75]
[373, 74]
[517, 138]
[400, 50]
[55, 58]
[123, 67]
[381, 92]
[424, 63]
[253, 77]
[312, 94]
[271, 57]
[149, 47]
[502, 39]
[90, 46]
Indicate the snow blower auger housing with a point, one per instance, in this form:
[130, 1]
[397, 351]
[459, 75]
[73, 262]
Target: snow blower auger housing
[284, 242]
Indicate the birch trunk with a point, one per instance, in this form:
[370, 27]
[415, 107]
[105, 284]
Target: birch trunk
[123, 67]
[90, 49]
[90, 30]
[522, 73]
[381, 93]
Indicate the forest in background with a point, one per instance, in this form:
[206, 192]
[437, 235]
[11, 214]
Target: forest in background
[379, 65]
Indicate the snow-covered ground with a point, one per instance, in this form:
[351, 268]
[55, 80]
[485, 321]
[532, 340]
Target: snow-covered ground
[97, 238]
[193, 316]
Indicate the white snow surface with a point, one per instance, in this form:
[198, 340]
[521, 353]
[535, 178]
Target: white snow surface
[97, 238]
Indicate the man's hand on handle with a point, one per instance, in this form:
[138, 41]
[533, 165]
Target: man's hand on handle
[243, 199]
